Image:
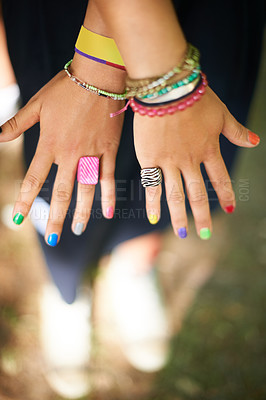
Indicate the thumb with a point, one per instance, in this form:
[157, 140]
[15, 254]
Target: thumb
[237, 133]
[23, 120]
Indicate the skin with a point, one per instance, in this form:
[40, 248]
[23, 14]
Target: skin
[178, 143]
[97, 135]
[7, 76]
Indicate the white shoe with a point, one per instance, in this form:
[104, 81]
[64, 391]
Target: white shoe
[65, 338]
[139, 314]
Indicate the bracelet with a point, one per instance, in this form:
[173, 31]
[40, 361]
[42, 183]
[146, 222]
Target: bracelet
[176, 85]
[91, 88]
[180, 106]
[98, 48]
[142, 87]
[173, 96]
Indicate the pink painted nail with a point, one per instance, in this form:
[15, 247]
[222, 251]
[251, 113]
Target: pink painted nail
[109, 212]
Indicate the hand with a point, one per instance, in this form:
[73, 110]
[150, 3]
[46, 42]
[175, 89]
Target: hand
[178, 144]
[73, 123]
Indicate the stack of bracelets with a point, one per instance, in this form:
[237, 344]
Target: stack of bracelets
[157, 96]
[168, 94]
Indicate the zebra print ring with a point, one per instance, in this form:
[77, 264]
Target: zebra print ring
[151, 176]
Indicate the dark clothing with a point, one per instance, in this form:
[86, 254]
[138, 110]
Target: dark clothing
[41, 35]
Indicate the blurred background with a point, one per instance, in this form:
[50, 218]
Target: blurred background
[215, 297]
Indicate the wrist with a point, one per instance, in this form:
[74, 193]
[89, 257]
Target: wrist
[99, 75]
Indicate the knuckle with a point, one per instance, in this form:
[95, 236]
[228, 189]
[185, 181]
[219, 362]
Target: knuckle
[31, 182]
[13, 124]
[62, 193]
[82, 214]
[238, 132]
[212, 152]
[57, 216]
[176, 197]
[24, 205]
[199, 198]
[87, 189]
[107, 177]
[152, 192]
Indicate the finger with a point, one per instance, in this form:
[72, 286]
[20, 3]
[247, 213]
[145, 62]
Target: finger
[85, 196]
[199, 203]
[221, 182]
[32, 184]
[237, 133]
[23, 120]
[107, 181]
[153, 205]
[176, 201]
[61, 197]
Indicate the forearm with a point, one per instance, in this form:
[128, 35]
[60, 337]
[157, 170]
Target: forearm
[100, 75]
[146, 32]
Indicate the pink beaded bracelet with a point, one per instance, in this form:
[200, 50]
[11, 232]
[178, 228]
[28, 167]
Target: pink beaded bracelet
[180, 106]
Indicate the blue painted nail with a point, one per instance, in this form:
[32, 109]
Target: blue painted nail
[52, 239]
[182, 233]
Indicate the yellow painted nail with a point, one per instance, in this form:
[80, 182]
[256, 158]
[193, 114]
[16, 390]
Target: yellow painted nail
[153, 219]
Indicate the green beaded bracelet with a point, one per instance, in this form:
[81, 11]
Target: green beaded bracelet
[142, 87]
[91, 88]
[176, 85]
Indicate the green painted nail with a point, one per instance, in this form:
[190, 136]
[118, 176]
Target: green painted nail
[18, 218]
[205, 233]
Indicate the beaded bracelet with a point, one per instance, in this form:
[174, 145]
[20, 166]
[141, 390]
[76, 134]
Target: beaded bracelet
[173, 96]
[91, 88]
[144, 86]
[191, 78]
[180, 106]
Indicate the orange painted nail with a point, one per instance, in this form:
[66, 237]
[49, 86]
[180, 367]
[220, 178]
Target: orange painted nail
[253, 138]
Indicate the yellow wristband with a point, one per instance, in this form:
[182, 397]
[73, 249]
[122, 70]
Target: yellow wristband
[101, 48]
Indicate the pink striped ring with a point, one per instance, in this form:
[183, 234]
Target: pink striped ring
[88, 170]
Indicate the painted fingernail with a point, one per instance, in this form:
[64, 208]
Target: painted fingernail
[52, 239]
[182, 233]
[18, 218]
[205, 233]
[229, 209]
[253, 138]
[109, 212]
[153, 219]
[78, 228]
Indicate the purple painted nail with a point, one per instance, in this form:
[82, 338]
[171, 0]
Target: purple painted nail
[182, 233]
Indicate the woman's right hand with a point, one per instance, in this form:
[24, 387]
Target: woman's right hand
[73, 123]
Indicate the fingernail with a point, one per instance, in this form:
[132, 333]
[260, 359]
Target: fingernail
[52, 239]
[18, 218]
[229, 209]
[253, 138]
[153, 219]
[205, 233]
[182, 233]
[109, 212]
[78, 228]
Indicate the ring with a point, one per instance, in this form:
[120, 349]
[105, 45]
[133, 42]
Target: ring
[88, 170]
[151, 176]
